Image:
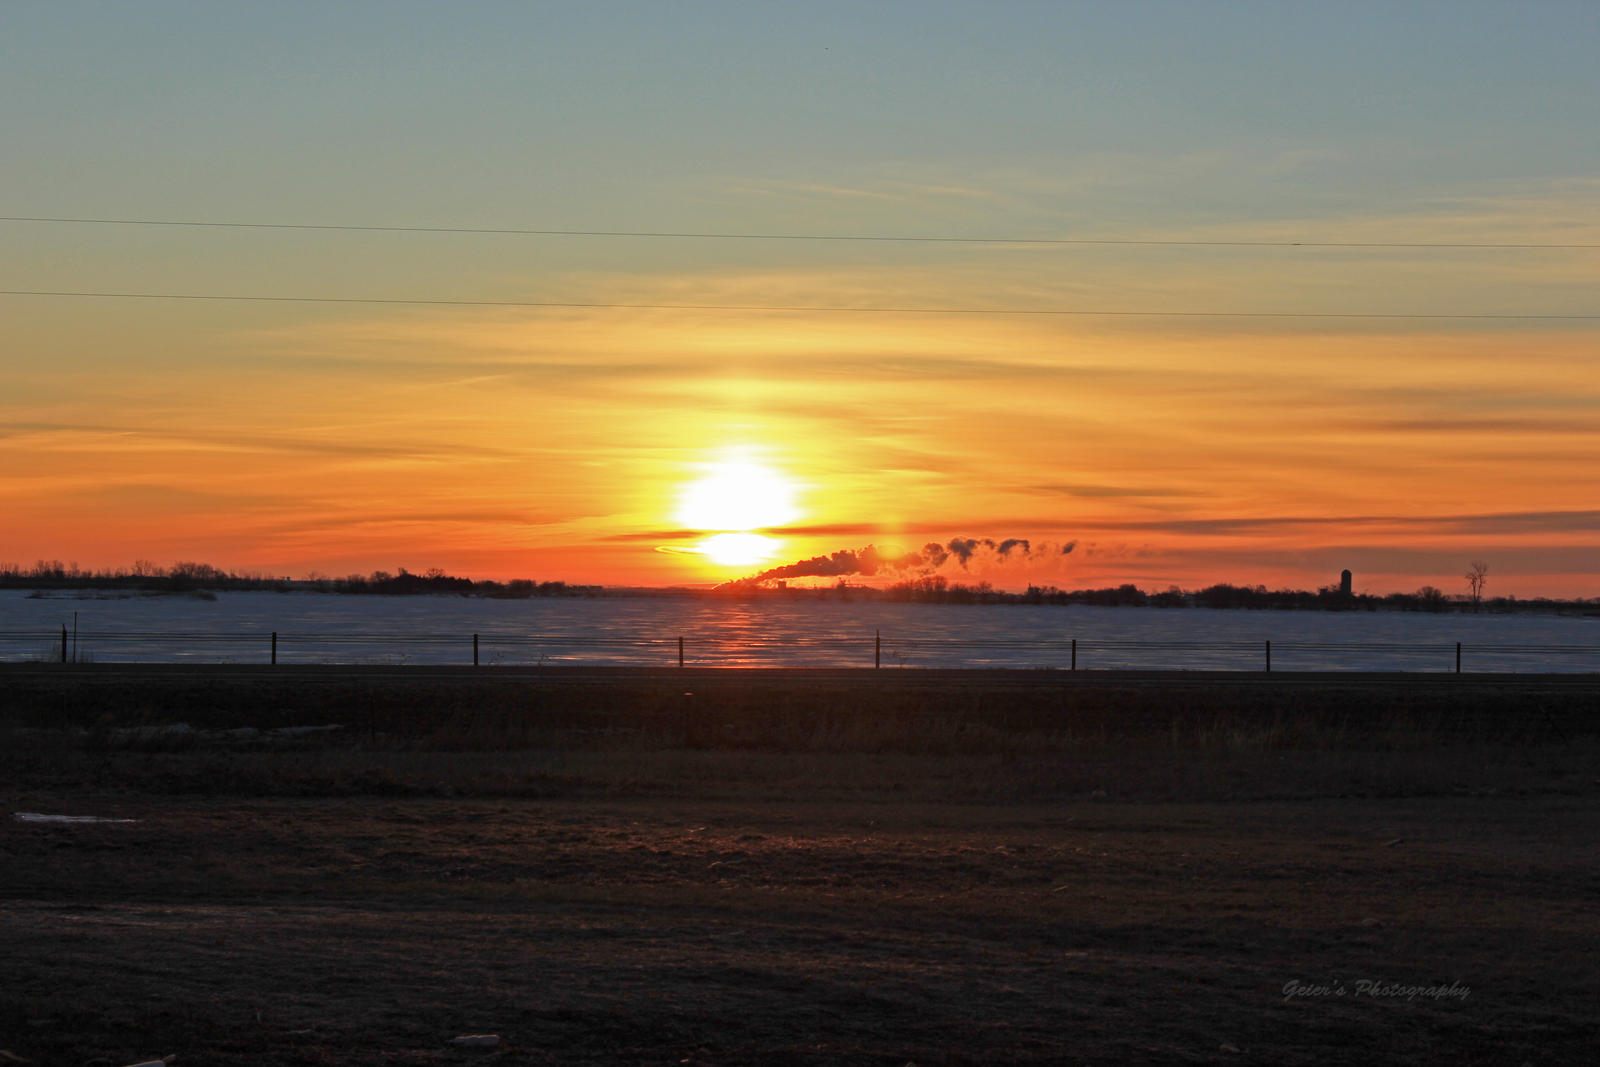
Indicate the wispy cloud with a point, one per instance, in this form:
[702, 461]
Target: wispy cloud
[1498, 424]
[1114, 492]
[1572, 521]
[1479, 523]
[94, 436]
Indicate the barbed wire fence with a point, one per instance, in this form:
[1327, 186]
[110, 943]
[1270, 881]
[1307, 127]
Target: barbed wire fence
[712, 649]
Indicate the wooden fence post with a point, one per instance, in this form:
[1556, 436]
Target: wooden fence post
[877, 648]
[1074, 653]
[474, 650]
[680, 650]
[63, 642]
[1269, 657]
[1458, 657]
[274, 648]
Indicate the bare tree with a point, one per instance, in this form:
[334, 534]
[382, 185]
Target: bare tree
[1477, 576]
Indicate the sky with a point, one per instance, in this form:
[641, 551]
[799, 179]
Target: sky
[1178, 293]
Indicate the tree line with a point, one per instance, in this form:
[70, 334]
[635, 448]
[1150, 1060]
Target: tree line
[190, 577]
[937, 589]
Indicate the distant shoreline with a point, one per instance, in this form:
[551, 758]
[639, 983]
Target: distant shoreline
[1217, 597]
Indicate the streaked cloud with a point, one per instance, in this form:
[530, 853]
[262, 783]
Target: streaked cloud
[1101, 492]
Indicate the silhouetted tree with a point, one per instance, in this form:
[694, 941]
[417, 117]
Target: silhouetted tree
[1477, 575]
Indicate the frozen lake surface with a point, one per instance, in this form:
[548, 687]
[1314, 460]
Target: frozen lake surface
[329, 628]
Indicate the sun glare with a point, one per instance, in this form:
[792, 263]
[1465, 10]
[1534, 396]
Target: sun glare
[738, 496]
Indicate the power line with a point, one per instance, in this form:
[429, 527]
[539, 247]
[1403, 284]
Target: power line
[800, 308]
[878, 238]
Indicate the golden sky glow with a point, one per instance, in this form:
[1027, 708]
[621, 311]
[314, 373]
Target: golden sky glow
[1169, 443]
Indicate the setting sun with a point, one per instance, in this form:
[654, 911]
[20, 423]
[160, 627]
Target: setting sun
[732, 499]
[739, 549]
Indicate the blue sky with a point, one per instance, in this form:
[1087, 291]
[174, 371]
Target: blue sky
[616, 115]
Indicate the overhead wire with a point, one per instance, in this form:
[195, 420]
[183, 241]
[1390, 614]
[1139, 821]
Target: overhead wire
[795, 308]
[801, 308]
[836, 237]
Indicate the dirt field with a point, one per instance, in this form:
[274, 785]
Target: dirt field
[340, 900]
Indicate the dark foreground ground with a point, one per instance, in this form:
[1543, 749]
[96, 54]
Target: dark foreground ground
[798, 872]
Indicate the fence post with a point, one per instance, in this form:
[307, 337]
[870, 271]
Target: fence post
[1074, 653]
[63, 642]
[680, 650]
[1458, 657]
[274, 648]
[474, 650]
[1269, 657]
[877, 648]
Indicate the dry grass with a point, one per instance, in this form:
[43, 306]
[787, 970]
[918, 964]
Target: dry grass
[1233, 769]
[997, 748]
[807, 882]
[370, 931]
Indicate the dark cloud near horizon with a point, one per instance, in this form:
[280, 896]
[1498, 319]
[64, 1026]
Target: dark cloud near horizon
[962, 548]
[935, 554]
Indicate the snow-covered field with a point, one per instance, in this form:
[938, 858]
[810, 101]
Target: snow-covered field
[328, 628]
